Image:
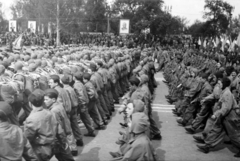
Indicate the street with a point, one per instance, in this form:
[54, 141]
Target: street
[176, 144]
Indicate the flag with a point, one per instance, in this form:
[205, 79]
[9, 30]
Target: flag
[199, 42]
[223, 43]
[238, 40]
[17, 42]
[205, 43]
[217, 41]
[233, 45]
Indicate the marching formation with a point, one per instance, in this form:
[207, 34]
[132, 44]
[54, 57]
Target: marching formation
[45, 93]
[204, 87]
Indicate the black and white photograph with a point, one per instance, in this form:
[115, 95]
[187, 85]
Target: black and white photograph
[119, 80]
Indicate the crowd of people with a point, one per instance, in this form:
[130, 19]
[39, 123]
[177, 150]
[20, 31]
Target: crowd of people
[46, 92]
[204, 87]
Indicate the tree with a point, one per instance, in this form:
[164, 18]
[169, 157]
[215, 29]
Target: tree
[235, 28]
[218, 14]
[66, 14]
[142, 13]
[3, 21]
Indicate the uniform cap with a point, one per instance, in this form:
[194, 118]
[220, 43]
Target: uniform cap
[18, 66]
[65, 79]
[79, 75]
[52, 92]
[86, 76]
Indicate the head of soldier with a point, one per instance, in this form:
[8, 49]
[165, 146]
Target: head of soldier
[234, 74]
[86, 77]
[36, 98]
[5, 111]
[54, 81]
[50, 97]
[134, 83]
[204, 77]
[226, 82]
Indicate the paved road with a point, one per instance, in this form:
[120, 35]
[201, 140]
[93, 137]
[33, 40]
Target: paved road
[176, 145]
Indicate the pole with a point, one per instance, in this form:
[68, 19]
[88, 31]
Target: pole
[58, 25]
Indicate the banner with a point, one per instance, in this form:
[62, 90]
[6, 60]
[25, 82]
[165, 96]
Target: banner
[124, 27]
[12, 25]
[18, 42]
[32, 26]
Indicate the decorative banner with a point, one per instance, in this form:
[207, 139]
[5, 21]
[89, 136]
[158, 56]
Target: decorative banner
[13, 25]
[124, 26]
[32, 26]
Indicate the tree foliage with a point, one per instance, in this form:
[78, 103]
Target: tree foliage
[92, 15]
[218, 14]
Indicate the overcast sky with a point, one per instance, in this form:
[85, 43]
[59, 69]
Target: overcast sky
[194, 9]
[191, 9]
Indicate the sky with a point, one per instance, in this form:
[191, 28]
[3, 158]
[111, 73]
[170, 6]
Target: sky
[190, 9]
[194, 9]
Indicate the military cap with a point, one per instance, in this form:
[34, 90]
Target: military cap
[5, 63]
[144, 78]
[54, 77]
[65, 79]
[52, 92]
[78, 75]
[93, 67]
[18, 66]
[32, 67]
[87, 76]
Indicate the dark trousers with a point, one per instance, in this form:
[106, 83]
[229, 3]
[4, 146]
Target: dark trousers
[85, 117]
[94, 113]
[103, 104]
[74, 124]
[202, 116]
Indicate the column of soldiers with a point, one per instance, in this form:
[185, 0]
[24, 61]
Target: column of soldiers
[204, 87]
[139, 126]
[45, 93]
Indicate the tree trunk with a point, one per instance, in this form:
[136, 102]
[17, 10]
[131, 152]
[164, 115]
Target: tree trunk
[58, 25]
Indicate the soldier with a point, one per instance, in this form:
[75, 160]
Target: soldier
[74, 106]
[92, 105]
[98, 84]
[64, 98]
[50, 100]
[14, 145]
[41, 128]
[83, 101]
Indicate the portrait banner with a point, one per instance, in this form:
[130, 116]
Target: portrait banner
[32, 26]
[124, 27]
[13, 25]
